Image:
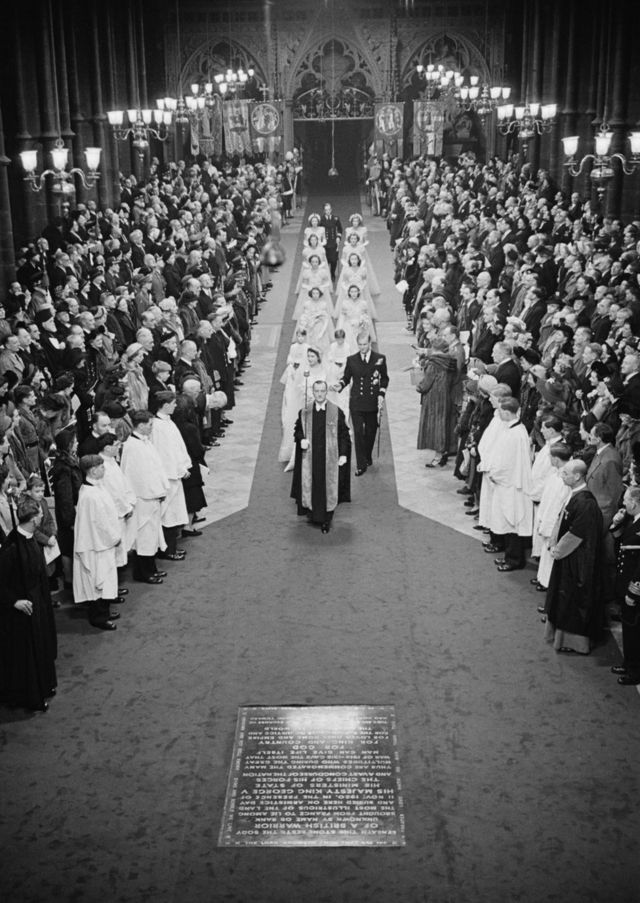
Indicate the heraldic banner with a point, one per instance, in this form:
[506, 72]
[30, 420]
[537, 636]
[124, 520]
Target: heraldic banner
[428, 128]
[389, 125]
[206, 136]
[266, 118]
[237, 132]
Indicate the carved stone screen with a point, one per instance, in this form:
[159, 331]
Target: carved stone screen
[314, 776]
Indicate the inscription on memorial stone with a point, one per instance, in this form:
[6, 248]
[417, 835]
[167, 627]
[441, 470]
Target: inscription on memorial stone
[314, 776]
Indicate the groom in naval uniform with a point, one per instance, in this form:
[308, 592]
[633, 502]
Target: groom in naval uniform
[333, 231]
[367, 373]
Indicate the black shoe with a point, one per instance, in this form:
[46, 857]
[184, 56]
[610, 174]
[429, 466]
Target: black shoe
[443, 460]
[154, 580]
[159, 573]
[123, 591]
[480, 527]
[534, 581]
[469, 503]
[472, 512]
[490, 549]
[541, 589]
[629, 680]
[508, 567]
[499, 561]
[361, 470]
[226, 422]
[541, 609]
[369, 462]
[197, 520]
[114, 615]
[325, 528]
[171, 556]
[104, 625]
[191, 532]
[619, 669]
[464, 491]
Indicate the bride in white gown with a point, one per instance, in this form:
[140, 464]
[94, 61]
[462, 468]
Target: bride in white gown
[301, 382]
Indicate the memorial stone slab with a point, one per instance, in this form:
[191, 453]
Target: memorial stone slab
[314, 776]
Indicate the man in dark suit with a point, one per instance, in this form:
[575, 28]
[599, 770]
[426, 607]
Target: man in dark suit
[333, 231]
[367, 373]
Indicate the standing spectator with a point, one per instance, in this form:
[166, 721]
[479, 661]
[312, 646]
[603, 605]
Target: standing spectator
[142, 466]
[66, 480]
[169, 444]
[97, 536]
[28, 641]
[434, 429]
[574, 607]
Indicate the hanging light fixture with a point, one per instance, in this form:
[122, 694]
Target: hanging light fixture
[602, 169]
[439, 81]
[528, 121]
[141, 125]
[333, 172]
[62, 178]
[482, 99]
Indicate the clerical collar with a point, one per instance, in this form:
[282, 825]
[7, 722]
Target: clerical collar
[24, 533]
[578, 488]
[321, 407]
[515, 423]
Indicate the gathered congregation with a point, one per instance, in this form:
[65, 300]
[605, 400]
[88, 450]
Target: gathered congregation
[524, 305]
[122, 344]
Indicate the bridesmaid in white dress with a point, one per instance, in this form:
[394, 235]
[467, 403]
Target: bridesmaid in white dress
[336, 359]
[354, 318]
[355, 243]
[315, 319]
[315, 276]
[314, 228]
[313, 248]
[354, 273]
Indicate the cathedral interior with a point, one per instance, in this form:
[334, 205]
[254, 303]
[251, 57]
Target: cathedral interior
[520, 775]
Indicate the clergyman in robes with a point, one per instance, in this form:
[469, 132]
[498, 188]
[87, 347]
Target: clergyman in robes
[321, 472]
[28, 642]
[574, 606]
[97, 535]
[142, 466]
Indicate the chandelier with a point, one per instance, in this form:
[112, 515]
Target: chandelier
[481, 99]
[233, 80]
[602, 171]
[141, 126]
[439, 81]
[62, 177]
[529, 120]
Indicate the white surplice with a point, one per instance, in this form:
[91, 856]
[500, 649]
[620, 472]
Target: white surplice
[168, 442]
[487, 447]
[96, 535]
[124, 498]
[142, 466]
[510, 474]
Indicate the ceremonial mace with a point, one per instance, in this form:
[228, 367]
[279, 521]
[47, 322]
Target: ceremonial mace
[306, 412]
[379, 429]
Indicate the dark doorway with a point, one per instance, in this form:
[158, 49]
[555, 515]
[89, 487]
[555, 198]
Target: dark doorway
[350, 143]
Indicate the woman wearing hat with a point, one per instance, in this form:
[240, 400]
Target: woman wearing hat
[137, 388]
